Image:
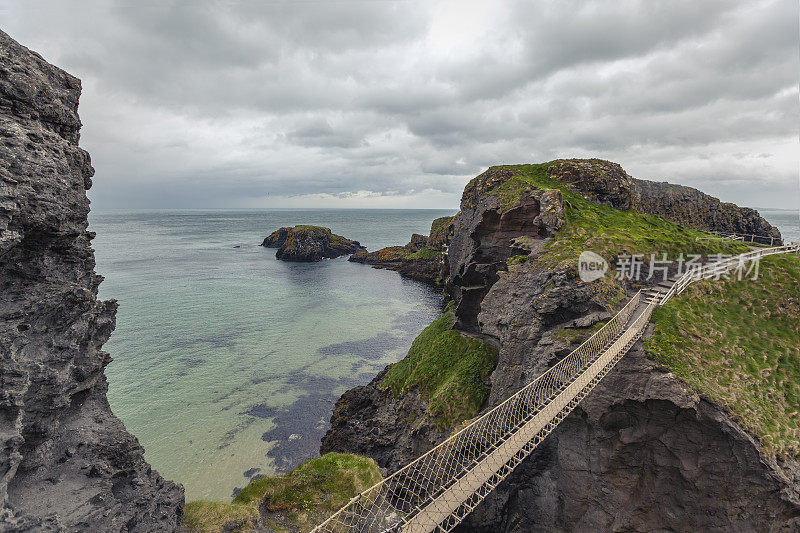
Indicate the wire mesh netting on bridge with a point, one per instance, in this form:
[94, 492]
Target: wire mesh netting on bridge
[424, 493]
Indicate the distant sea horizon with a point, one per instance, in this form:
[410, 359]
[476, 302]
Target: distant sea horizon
[787, 220]
[227, 362]
[454, 209]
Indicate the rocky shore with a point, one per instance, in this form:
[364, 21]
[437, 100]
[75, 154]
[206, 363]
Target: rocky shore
[309, 244]
[421, 259]
[66, 462]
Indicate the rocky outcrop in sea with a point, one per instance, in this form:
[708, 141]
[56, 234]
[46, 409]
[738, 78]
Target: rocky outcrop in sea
[66, 462]
[309, 244]
[642, 452]
[421, 259]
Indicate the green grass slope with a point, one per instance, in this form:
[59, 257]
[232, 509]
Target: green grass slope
[738, 344]
[297, 501]
[449, 369]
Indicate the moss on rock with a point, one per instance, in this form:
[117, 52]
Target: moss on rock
[297, 501]
[440, 230]
[425, 254]
[216, 517]
[450, 369]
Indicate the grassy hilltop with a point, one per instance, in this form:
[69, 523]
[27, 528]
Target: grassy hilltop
[603, 229]
[738, 344]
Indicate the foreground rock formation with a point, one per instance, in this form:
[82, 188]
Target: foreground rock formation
[66, 462]
[421, 259]
[309, 244]
[643, 452]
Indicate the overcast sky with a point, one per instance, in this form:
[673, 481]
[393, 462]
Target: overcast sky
[399, 104]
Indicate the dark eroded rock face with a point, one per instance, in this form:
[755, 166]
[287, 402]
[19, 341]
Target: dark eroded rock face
[607, 183]
[522, 310]
[485, 236]
[309, 243]
[600, 181]
[370, 421]
[66, 462]
[691, 207]
[642, 453]
[276, 238]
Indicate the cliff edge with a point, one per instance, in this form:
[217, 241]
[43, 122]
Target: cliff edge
[66, 462]
[421, 259]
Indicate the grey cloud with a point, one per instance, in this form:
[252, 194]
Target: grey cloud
[339, 26]
[320, 133]
[245, 102]
[554, 36]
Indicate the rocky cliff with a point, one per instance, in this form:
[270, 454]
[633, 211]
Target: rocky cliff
[643, 452]
[608, 184]
[66, 462]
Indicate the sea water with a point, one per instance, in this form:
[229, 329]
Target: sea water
[227, 362]
[786, 220]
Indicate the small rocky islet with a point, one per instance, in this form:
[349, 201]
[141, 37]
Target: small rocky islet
[308, 244]
[421, 259]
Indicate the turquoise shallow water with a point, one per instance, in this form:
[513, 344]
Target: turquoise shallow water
[227, 362]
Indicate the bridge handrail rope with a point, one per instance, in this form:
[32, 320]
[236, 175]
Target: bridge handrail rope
[717, 268]
[412, 485]
[743, 237]
[438, 489]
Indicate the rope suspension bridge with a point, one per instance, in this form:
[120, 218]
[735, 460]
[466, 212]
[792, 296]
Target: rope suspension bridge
[437, 490]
